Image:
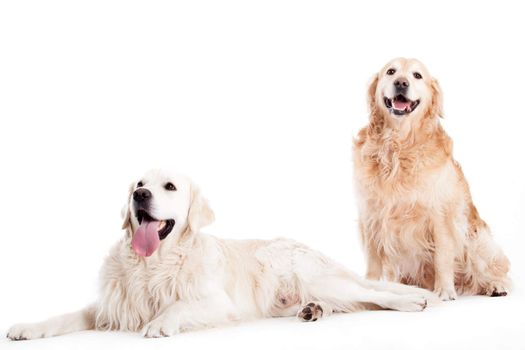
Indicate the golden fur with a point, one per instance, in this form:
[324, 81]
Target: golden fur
[417, 219]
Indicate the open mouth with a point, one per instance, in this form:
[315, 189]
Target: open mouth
[164, 227]
[400, 104]
[150, 232]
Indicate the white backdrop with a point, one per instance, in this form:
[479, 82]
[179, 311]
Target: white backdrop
[258, 102]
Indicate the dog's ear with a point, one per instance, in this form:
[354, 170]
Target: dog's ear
[200, 214]
[437, 99]
[125, 212]
[376, 117]
[372, 88]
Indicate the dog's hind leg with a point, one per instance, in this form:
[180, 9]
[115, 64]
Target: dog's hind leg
[486, 266]
[346, 294]
[327, 287]
[63, 324]
[401, 289]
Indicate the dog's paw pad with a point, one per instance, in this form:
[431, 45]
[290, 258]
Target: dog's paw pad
[311, 312]
[16, 337]
[497, 289]
[498, 293]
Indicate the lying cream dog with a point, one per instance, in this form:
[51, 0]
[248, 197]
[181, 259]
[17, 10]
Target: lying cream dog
[164, 276]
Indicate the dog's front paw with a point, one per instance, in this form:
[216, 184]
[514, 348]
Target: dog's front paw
[160, 327]
[25, 331]
[446, 293]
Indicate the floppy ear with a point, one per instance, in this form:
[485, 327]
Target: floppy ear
[125, 212]
[372, 94]
[437, 99]
[200, 213]
[376, 117]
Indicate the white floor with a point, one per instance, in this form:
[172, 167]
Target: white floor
[468, 323]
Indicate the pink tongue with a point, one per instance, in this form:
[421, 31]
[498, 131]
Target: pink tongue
[401, 105]
[146, 239]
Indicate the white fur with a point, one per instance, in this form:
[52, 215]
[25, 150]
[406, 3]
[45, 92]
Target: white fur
[196, 280]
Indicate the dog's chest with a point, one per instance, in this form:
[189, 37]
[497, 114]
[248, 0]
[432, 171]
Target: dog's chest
[389, 173]
[133, 294]
[388, 167]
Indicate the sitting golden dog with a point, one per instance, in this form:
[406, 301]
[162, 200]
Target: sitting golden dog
[417, 220]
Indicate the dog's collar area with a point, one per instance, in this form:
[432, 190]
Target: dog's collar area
[400, 105]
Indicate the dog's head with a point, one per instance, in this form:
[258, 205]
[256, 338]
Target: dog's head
[162, 206]
[404, 89]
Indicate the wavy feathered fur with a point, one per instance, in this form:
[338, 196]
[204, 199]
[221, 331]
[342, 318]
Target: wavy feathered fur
[417, 220]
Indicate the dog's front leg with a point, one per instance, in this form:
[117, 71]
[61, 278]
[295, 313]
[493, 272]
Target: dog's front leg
[374, 266]
[58, 325]
[374, 269]
[185, 315]
[444, 260]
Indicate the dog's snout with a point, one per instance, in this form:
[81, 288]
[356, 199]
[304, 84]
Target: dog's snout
[141, 195]
[401, 84]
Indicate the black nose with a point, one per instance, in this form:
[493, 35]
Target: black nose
[401, 84]
[141, 195]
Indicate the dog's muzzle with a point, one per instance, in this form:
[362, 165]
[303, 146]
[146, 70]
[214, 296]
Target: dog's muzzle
[400, 105]
[146, 238]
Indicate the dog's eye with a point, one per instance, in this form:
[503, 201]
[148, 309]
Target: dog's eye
[417, 75]
[170, 187]
[140, 184]
[391, 71]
